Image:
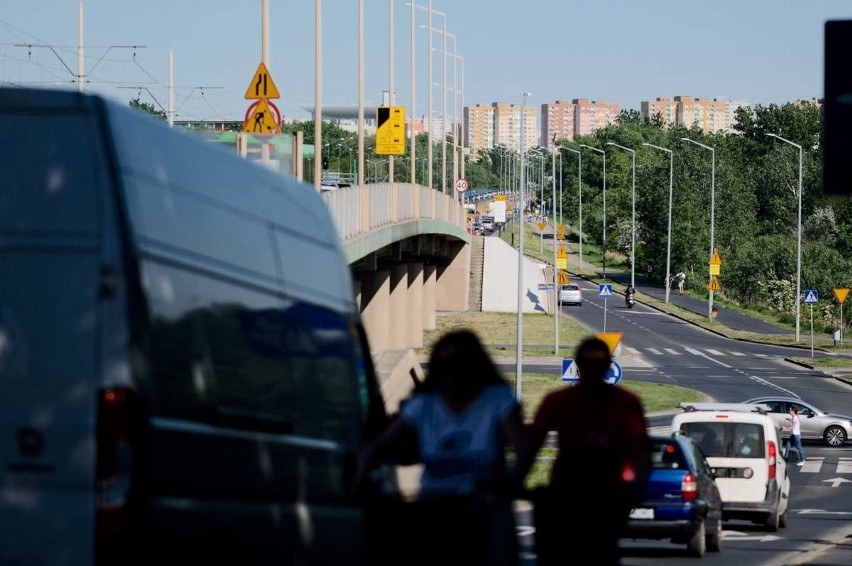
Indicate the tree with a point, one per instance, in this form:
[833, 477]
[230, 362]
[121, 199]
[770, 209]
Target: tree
[148, 108]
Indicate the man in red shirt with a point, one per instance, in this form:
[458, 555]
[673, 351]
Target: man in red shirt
[601, 467]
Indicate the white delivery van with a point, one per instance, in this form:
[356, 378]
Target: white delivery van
[184, 377]
[743, 447]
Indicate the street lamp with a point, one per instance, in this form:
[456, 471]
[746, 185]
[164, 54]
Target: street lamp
[712, 151]
[603, 153]
[671, 186]
[799, 236]
[519, 362]
[633, 215]
[580, 185]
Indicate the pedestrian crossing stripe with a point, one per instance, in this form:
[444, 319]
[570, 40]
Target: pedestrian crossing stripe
[811, 297]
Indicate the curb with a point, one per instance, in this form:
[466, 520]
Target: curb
[841, 378]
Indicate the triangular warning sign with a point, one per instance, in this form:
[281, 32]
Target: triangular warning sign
[612, 340]
[604, 291]
[561, 253]
[262, 85]
[261, 120]
[810, 297]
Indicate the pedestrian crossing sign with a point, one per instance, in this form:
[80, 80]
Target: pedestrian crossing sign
[604, 290]
[811, 297]
[570, 374]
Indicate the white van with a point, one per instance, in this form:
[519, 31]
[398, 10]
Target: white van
[743, 447]
[183, 371]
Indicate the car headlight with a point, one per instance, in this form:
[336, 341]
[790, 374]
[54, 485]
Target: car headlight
[748, 473]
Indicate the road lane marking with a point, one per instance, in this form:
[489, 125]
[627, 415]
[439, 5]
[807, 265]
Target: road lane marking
[654, 351]
[693, 351]
[738, 353]
[844, 465]
[811, 465]
[715, 352]
[672, 351]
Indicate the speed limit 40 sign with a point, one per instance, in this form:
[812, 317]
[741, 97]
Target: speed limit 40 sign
[462, 185]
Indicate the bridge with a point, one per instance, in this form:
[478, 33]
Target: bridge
[409, 253]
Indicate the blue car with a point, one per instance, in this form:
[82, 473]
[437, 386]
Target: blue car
[682, 501]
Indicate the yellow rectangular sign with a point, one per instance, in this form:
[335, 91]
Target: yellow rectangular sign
[390, 130]
[715, 269]
[499, 198]
[561, 263]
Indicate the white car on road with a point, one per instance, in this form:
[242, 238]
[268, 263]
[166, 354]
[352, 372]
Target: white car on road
[570, 294]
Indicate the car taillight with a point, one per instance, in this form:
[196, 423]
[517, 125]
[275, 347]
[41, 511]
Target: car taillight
[773, 455]
[114, 459]
[689, 487]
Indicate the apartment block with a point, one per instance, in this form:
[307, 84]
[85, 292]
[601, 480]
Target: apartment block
[557, 122]
[478, 127]
[591, 115]
[708, 114]
[507, 126]
[664, 107]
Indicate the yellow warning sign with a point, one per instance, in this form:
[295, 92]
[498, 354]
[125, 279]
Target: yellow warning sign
[390, 130]
[499, 198]
[561, 253]
[542, 226]
[560, 232]
[262, 85]
[715, 259]
[612, 340]
[840, 294]
[562, 277]
[261, 120]
[714, 284]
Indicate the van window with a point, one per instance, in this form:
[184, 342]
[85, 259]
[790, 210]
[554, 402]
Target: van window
[47, 174]
[727, 440]
[230, 356]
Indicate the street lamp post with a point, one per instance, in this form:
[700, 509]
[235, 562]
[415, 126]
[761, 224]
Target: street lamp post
[712, 151]
[671, 188]
[633, 214]
[580, 187]
[799, 234]
[519, 358]
[603, 242]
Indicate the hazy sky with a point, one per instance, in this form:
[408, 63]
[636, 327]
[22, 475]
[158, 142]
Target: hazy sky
[621, 51]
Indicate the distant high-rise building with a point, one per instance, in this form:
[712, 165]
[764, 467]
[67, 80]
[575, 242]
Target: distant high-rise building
[478, 127]
[708, 114]
[665, 108]
[591, 115]
[507, 126]
[557, 122]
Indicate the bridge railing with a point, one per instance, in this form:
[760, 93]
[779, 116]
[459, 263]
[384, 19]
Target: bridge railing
[357, 210]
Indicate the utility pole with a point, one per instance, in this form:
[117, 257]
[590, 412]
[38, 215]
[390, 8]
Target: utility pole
[171, 116]
[317, 94]
[80, 59]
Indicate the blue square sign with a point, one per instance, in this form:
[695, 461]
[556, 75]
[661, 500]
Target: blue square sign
[811, 296]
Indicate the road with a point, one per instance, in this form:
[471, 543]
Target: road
[662, 349]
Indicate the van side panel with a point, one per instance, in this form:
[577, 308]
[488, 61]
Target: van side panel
[51, 181]
[258, 398]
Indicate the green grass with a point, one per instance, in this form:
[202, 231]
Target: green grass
[822, 362]
[501, 329]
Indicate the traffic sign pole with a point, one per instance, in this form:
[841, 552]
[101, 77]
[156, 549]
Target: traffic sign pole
[812, 331]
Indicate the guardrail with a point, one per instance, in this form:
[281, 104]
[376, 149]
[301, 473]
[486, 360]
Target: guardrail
[358, 210]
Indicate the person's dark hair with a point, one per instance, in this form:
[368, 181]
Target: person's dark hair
[593, 359]
[794, 409]
[459, 354]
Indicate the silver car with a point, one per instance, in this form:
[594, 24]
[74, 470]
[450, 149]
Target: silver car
[816, 424]
[570, 294]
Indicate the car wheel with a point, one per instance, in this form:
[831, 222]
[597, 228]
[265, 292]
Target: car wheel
[698, 543]
[773, 521]
[714, 540]
[782, 520]
[834, 436]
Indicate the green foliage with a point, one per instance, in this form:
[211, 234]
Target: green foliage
[148, 108]
[755, 203]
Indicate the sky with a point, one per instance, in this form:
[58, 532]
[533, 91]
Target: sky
[621, 51]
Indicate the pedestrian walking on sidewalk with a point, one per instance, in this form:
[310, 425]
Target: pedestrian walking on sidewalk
[681, 281]
[601, 468]
[795, 438]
